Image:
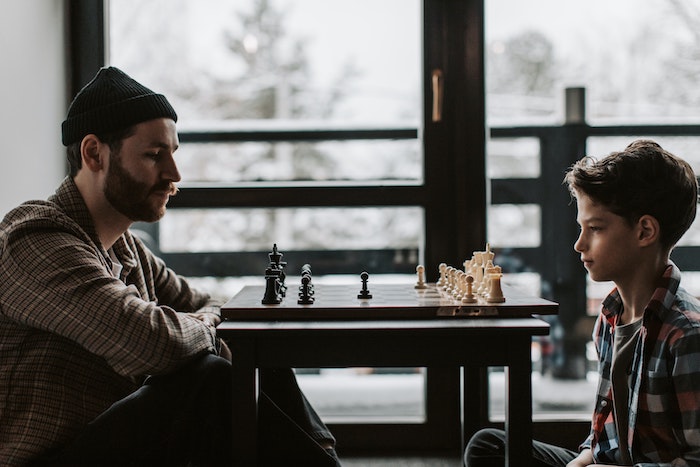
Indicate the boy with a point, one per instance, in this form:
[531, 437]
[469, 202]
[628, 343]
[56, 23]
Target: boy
[633, 207]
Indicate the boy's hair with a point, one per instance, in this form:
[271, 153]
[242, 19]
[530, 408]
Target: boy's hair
[643, 179]
[112, 139]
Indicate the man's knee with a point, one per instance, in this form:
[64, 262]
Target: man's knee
[205, 373]
[213, 365]
[487, 443]
[211, 371]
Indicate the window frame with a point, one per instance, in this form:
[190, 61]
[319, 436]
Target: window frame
[453, 192]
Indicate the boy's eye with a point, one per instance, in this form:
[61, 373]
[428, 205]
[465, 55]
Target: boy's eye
[589, 228]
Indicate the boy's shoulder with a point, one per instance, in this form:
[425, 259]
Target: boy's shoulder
[685, 311]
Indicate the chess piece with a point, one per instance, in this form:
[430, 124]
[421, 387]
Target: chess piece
[305, 295]
[486, 285]
[420, 272]
[364, 293]
[306, 272]
[488, 256]
[479, 270]
[272, 288]
[275, 256]
[467, 264]
[458, 289]
[448, 279]
[495, 294]
[469, 296]
[306, 269]
[442, 267]
[276, 263]
[469, 267]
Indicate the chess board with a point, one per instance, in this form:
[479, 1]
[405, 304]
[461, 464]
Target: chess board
[389, 301]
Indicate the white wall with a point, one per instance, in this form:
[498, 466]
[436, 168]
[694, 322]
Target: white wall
[32, 99]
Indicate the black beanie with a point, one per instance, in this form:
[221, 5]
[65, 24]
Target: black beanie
[112, 101]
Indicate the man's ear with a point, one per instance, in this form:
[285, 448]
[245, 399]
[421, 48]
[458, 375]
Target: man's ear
[649, 230]
[91, 152]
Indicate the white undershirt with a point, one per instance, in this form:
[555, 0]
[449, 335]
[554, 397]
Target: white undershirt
[626, 336]
[116, 264]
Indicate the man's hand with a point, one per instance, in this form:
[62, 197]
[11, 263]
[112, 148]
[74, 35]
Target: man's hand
[224, 351]
[584, 459]
[211, 319]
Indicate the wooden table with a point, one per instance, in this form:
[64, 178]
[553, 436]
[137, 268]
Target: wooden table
[316, 341]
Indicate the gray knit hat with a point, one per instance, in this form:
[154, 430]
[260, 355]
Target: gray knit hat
[112, 101]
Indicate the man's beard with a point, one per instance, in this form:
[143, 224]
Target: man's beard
[131, 197]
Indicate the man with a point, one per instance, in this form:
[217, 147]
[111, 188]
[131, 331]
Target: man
[107, 357]
[633, 207]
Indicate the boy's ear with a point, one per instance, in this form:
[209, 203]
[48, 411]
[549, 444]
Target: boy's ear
[90, 153]
[648, 230]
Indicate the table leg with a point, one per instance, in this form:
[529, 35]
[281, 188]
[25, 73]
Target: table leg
[519, 404]
[245, 405]
[475, 401]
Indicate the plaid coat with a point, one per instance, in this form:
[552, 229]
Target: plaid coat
[73, 338]
[664, 401]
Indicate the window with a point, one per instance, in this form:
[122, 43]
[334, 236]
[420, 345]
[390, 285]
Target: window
[624, 60]
[272, 141]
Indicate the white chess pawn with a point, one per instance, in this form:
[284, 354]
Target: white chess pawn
[469, 296]
[449, 282]
[457, 289]
[442, 267]
[420, 272]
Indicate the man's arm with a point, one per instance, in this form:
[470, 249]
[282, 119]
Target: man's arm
[57, 282]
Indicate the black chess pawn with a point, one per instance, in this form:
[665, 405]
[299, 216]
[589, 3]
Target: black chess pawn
[306, 272]
[306, 269]
[364, 293]
[305, 291]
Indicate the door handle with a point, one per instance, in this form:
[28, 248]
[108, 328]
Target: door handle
[437, 85]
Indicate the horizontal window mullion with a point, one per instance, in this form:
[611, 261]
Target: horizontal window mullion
[218, 136]
[232, 197]
[617, 130]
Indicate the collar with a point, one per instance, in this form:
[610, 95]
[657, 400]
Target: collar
[69, 199]
[661, 300]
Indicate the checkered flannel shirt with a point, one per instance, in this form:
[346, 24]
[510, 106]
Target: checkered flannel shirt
[664, 402]
[73, 338]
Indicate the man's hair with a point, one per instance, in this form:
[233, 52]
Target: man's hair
[643, 179]
[112, 139]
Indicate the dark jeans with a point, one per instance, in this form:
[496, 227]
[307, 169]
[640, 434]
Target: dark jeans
[185, 419]
[487, 448]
